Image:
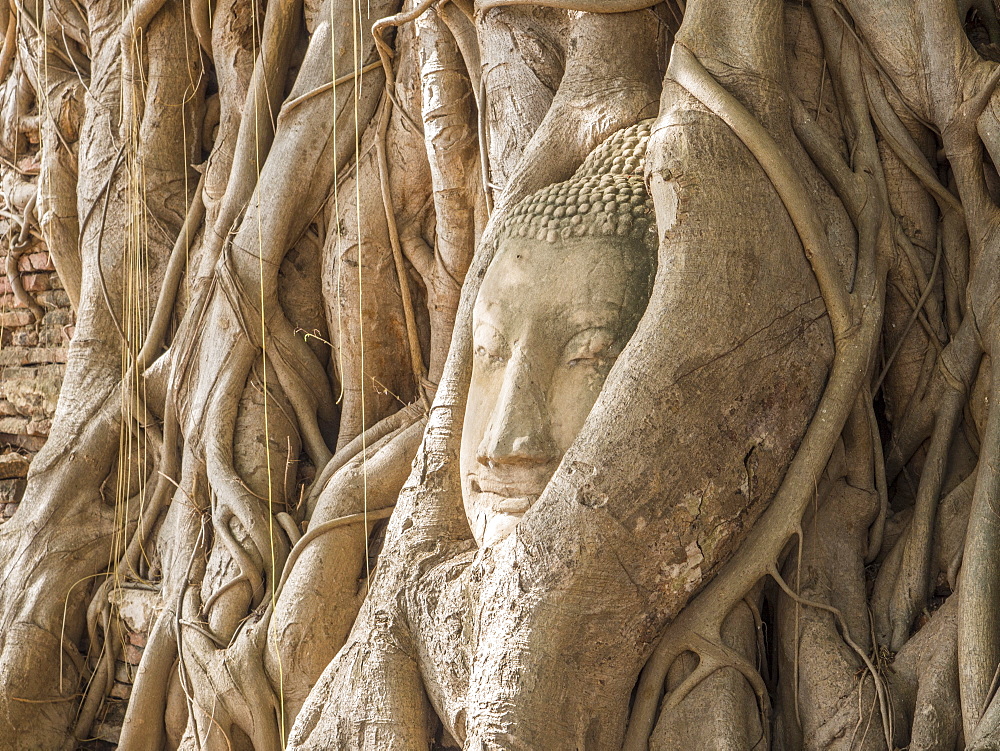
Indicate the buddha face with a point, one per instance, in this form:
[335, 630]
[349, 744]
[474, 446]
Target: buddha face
[549, 321]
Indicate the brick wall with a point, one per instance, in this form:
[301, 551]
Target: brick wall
[32, 362]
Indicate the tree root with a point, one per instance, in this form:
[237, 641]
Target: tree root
[416, 356]
[856, 320]
[13, 254]
[585, 6]
[880, 687]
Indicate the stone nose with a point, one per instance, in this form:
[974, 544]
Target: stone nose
[519, 430]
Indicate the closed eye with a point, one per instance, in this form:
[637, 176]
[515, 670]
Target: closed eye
[593, 346]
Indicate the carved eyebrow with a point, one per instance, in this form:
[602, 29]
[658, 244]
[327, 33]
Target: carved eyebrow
[488, 336]
[606, 313]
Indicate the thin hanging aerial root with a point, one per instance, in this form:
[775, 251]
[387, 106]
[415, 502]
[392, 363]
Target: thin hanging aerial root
[718, 656]
[385, 52]
[706, 666]
[176, 266]
[876, 533]
[970, 110]
[409, 317]
[880, 687]
[225, 587]
[291, 358]
[646, 705]
[197, 627]
[905, 148]
[291, 529]
[484, 145]
[914, 264]
[397, 421]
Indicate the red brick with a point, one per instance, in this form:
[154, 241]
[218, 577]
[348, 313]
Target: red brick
[35, 282]
[39, 427]
[40, 261]
[29, 165]
[25, 338]
[132, 654]
[121, 691]
[4, 284]
[13, 465]
[137, 639]
[19, 317]
[13, 425]
[53, 298]
[124, 673]
[58, 317]
[19, 356]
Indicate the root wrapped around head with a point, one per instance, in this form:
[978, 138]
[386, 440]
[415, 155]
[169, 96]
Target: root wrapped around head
[605, 197]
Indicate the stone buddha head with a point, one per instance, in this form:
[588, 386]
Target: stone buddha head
[569, 282]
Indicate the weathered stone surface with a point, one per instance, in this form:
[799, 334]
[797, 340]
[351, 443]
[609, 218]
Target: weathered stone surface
[30, 443]
[39, 427]
[33, 391]
[17, 317]
[121, 691]
[58, 318]
[138, 608]
[32, 355]
[53, 298]
[13, 465]
[11, 491]
[25, 338]
[109, 724]
[124, 673]
[14, 425]
[132, 654]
